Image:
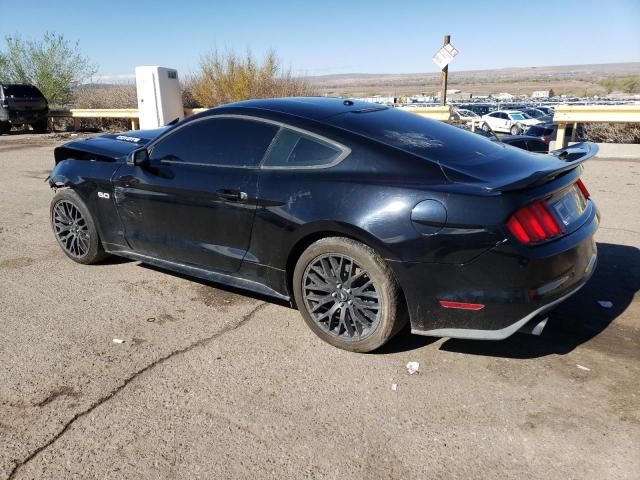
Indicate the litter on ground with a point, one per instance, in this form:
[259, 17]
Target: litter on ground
[412, 367]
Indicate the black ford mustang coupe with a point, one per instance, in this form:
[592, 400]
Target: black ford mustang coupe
[364, 217]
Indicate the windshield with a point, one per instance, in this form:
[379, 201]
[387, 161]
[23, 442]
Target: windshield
[429, 139]
[21, 91]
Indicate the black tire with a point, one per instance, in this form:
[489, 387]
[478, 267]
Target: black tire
[360, 266]
[4, 127]
[485, 127]
[40, 126]
[74, 228]
[515, 130]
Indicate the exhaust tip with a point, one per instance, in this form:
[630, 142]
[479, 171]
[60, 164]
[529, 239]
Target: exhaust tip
[535, 326]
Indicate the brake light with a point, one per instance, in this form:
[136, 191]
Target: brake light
[546, 139]
[534, 223]
[583, 189]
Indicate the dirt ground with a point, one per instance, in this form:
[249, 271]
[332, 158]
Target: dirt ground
[211, 383]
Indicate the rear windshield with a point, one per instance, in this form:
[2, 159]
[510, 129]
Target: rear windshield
[21, 91]
[430, 139]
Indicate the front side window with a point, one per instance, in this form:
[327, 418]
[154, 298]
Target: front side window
[231, 142]
[294, 149]
[517, 116]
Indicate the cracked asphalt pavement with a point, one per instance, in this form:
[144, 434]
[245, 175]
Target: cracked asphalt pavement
[213, 383]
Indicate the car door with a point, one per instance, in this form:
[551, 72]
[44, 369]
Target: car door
[505, 122]
[194, 201]
[495, 121]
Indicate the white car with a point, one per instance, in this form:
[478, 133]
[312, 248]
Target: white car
[467, 117]
[508, 121]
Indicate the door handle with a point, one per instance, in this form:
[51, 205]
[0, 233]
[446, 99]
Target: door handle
[232, 195]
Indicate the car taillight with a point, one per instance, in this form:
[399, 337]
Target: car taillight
[534, 223]
[546, 139]
[583, 189]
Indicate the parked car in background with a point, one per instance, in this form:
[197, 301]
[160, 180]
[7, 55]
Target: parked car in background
[547, 132]
[483, 133]
[525, 142]
[22, 104]
[546, 110]
[467, 116]
[363, 217]
[508, 121]
[537, 114]
[478, 108]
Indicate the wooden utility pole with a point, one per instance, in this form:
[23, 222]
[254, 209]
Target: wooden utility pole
[444, 76]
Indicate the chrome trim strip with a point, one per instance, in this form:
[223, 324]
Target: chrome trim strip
[501, 334]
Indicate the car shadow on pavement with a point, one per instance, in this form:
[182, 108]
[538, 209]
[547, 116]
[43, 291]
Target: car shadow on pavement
[577, 320]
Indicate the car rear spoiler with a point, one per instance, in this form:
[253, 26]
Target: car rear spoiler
[569, 158]
[576, 154]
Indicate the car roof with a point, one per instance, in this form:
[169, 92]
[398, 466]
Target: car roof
[313, 108]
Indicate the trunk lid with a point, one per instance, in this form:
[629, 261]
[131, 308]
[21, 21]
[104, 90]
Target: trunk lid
[515, 169]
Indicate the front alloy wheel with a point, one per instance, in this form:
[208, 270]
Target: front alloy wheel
[71, 229]
[75, 229]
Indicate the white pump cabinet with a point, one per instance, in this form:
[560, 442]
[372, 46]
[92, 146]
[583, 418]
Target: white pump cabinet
[159, 98]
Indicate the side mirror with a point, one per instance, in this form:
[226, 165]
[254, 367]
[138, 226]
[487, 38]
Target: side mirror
[138, 157]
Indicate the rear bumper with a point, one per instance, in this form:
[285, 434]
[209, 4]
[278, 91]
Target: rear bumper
[513, 284]
[501, 334]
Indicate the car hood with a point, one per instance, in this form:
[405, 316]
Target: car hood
[111, 146]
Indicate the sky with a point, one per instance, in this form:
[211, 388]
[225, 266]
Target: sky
[335, 37]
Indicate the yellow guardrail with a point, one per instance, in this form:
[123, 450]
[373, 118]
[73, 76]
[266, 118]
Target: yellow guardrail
[442, 113]
[131, 113]
[565, 114]
[77, 113]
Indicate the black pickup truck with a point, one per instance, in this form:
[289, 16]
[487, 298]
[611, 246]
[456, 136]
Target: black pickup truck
[22, 104]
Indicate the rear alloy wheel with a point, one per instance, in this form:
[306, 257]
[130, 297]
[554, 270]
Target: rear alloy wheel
[75, 229]
[347, 295]
[515, 130]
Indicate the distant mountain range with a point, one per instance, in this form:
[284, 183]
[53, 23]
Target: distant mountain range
[563, 79]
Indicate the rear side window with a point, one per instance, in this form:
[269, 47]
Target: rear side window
[294, 149]
[429, 139]
[230, 142]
